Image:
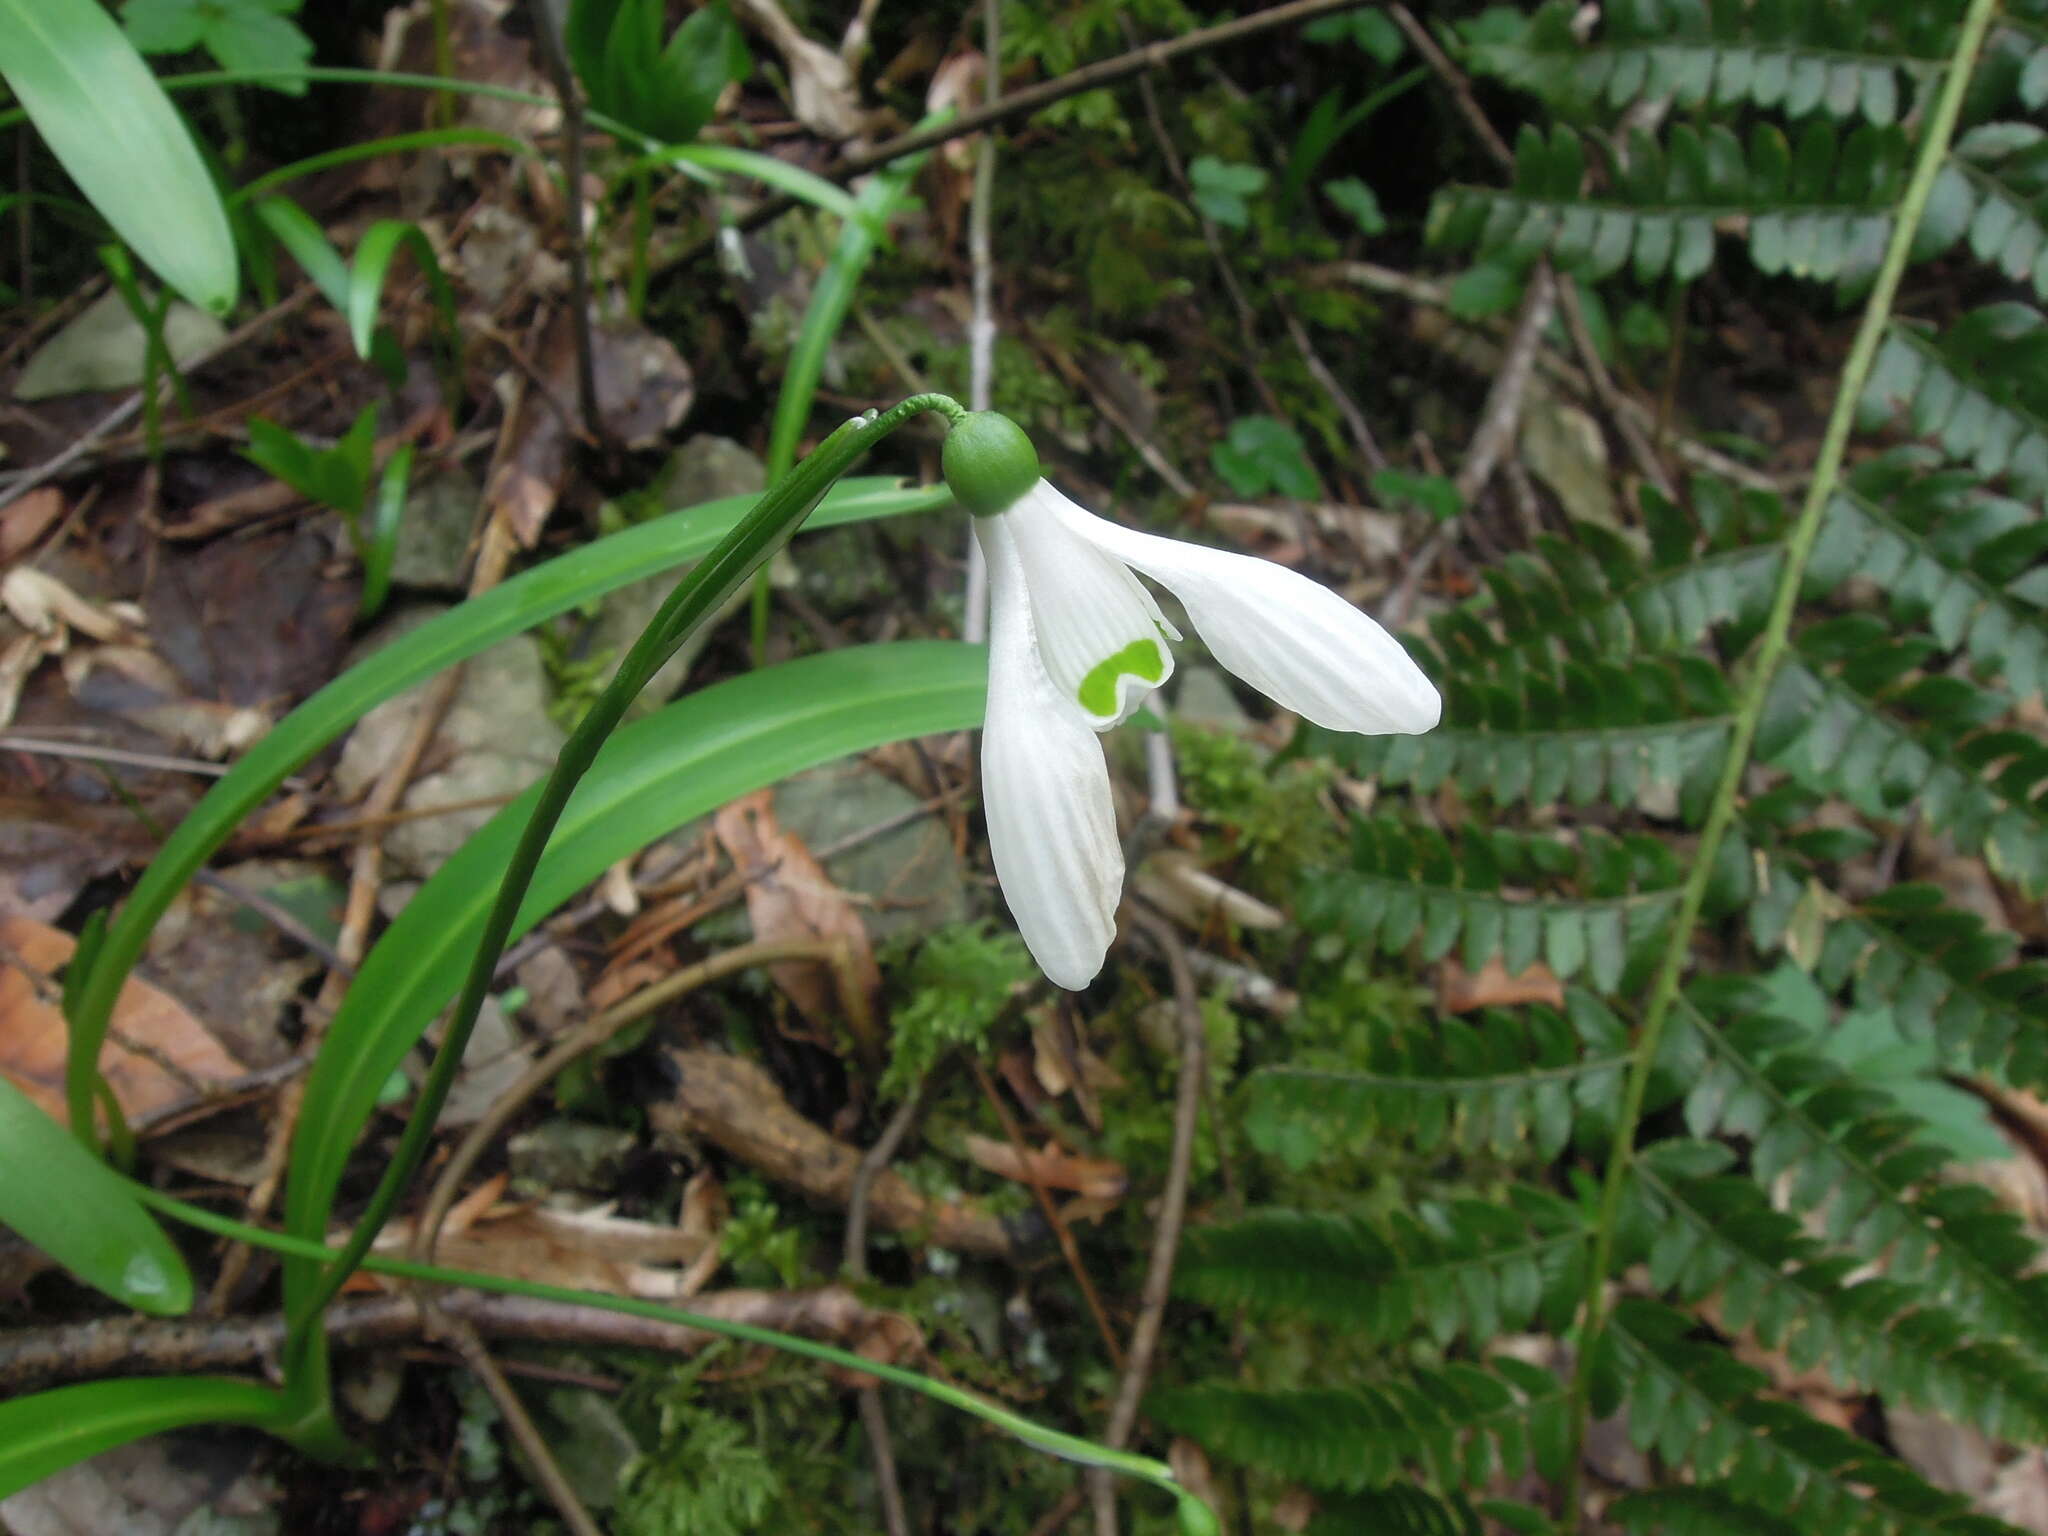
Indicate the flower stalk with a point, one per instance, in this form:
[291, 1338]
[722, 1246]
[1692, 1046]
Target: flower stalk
[774, 518]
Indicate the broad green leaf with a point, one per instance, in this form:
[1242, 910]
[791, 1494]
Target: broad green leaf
[58, 1197]
[652, 777]
[106, 119]
[1262, 454]
[46, 1432]
[524, 601]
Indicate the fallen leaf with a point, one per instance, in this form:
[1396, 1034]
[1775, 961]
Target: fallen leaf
[736, 1106]
[792, 898]
[174, 1056]
[26, 519]
[1098, 1178]
[819, 79]
[1461, 991]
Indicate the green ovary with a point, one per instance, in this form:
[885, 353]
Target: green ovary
[1141, 658]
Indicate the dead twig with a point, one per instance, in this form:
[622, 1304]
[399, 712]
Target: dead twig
[1503, 413]
[564, 82]
[580, 1042]
[1247, 322]
[1454, 81]
[1023, 103]
[1173, 1204]
[464, 1340]
[1028, 1166]
[31, 1358]
[874, 1416]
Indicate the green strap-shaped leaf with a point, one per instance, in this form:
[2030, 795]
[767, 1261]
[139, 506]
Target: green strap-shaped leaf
[49, 1431]
[65, 1201]
[103, 115]
[652, 777]
[455, 636]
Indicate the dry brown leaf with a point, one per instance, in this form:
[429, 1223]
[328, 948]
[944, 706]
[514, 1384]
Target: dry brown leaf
[736, 1106]
[26, 519]
[1098, 1178]
[39, 601]
[181, 1057]
[792, 898]
[586, 1250]
[819, 79]
[1461, 991]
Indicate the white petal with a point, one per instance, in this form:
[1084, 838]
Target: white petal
[1099, 631]
[1291, 638]
[1051, 825]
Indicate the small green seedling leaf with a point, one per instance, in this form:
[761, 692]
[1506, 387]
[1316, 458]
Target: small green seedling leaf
[1356, 198]
[1368, 29]
[1220, 189]
[1487, 289]
[1435, 494]
[254, 35]
[1263, 456]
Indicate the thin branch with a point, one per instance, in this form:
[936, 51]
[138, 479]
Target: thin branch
[1247, 322]
[874, 1417]
[32, 1358]
[1455, 82]
[1023, 103]
[564, 82]
[1503, 412]
[463, 1339]
[1173, 1204]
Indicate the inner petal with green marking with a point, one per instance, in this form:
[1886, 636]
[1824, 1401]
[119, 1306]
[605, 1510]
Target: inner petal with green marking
[1142, 659]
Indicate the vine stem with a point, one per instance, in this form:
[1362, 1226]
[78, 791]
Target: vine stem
[1770, 650]
[696, 597]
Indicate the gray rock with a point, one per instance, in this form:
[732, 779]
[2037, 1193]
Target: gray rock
[911, 873]
[495, 739]
[105, 346]
[433, 536]
[568, 1154]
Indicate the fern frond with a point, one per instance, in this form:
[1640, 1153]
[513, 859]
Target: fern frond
[1852, 714]
[1581, 731]
[1994, 191]
[1509, 1082]
[1842, 59]
[1710, 1509]
[1408, 882]
[1853, 1161]
[1705, 1233]
[1462, 1424]
[1819, 210]
[1694, 1404]
[1466, 1268]
[1942, 973]
[1946, 553]
[1597, 595]
[1401, 1510]
[1980, 389]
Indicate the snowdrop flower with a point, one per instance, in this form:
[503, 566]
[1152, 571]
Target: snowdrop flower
[1075, 644]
